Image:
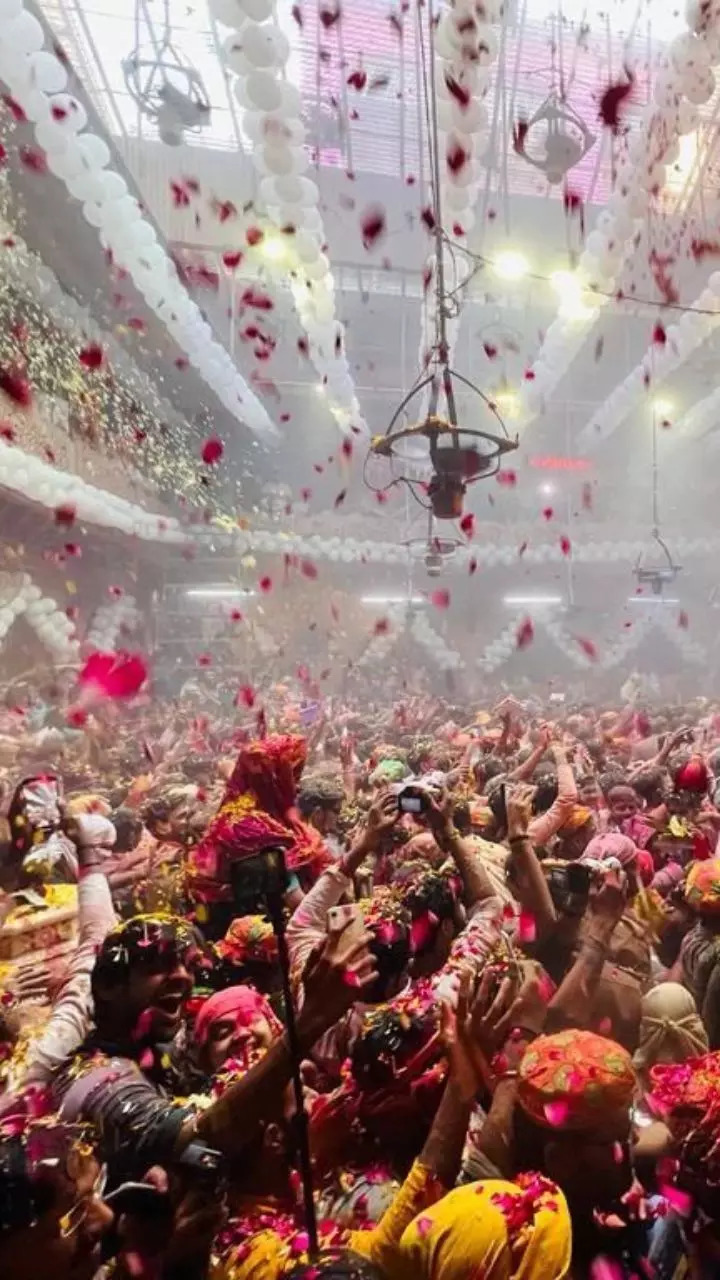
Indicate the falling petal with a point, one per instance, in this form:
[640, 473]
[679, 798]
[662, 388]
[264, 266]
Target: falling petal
[440, 598]
[556, 1113]
[524, 634]
[212, 451]
[114, 675]
[372, 225]
[92, 356]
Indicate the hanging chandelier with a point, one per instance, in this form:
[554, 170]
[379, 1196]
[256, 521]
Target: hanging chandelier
[555, 139]
[166, 87]
[657, 569]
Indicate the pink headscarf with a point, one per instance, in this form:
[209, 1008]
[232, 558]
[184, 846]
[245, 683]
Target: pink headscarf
[613, 844]
[244, 1004]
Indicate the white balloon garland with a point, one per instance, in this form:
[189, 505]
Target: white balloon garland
[113, 621]
[465, 49]
[48, 620]
[38, 81]
[681, 340]
[433, 643]
[33, 478]
[685, 81]
[497, 652]
[256, 53]
[350, 550]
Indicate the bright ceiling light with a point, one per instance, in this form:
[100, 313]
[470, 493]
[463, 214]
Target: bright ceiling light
[532, 600]
[273, 247]
[547, 490]
[652, 600]
[507, 402]
[662, 407]
[566, 285]
[218, 593]
[391, 600]
[510, 265]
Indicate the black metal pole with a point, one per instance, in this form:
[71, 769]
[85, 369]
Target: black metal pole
[300, 1123]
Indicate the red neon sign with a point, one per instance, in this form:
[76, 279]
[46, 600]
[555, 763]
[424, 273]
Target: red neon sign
[550, 462]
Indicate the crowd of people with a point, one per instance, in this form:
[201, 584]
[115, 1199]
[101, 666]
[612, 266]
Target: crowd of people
[404, 991]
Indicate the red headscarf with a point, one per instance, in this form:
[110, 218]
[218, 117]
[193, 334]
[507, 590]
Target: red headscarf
[258, 810]
[244, 1005]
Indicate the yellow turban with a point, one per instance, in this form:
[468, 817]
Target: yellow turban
[497, 1230]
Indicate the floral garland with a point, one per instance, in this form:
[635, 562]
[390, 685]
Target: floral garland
[685, 81]
[38, 81]
[257, 53]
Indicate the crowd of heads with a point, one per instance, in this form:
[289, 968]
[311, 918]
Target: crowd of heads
[452, 974]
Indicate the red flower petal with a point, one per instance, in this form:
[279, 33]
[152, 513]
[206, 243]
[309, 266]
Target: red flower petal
[440, 598]
[587, 647]
[232, 259]
[329, 13]
[254, 236]
[14, 108]
[92, 356]
[245, 696]
[548, 513]
[204, 660]
[340, 498]
[357, 79]
[65, 514]
[467, 524]
[114, 675]
[472, 566]
[507, 478]
[265, 584]
[212, 451]
[565, 545]
[456, 157]
[33, 159]
[659, 336]
[525, 634]
[683, 620]
[612, 100]
[372, 225]
[16, 386]
[381, 628]
[308, 569]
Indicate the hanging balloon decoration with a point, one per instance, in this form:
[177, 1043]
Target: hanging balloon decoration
[38, 81]
[684, 82]
[256, 53]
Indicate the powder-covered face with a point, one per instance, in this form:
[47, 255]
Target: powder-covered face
[622, 802]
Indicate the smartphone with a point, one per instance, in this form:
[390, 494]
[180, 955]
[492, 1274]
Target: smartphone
[348, 917]
[413, 800]
[139, 1199]
[578, 878]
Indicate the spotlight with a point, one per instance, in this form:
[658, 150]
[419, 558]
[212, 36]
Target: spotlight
[510, 265]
